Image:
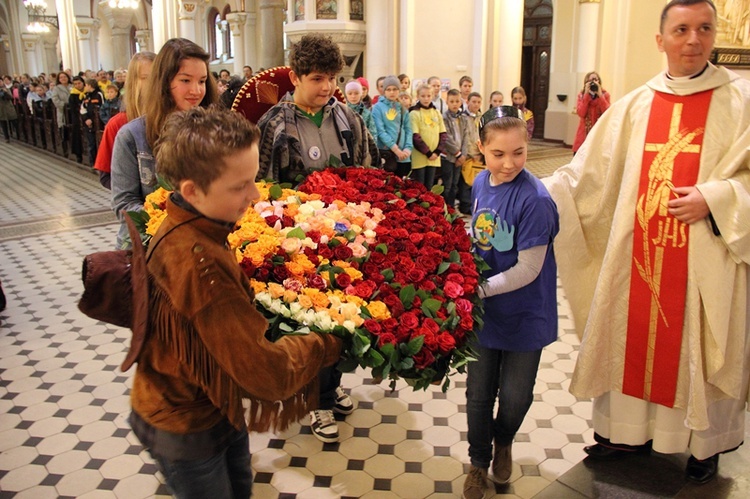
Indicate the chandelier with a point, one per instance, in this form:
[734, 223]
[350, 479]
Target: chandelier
[39, 21]
[123, 4]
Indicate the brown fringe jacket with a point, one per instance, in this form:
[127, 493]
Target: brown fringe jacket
[206, 349]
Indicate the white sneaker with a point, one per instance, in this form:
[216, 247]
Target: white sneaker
[323, 426]
[344, 403]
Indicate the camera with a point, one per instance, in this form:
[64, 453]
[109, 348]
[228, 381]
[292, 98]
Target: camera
[594, 87]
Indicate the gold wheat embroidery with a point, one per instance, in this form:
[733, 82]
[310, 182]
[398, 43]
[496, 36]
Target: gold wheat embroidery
[655, 198]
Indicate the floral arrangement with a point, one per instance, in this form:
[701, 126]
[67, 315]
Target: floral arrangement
[363, 254]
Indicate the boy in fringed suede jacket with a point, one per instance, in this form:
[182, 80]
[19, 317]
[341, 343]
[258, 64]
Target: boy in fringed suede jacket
[206, 351]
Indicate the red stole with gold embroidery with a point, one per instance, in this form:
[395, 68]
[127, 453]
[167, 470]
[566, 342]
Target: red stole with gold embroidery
[659, 273]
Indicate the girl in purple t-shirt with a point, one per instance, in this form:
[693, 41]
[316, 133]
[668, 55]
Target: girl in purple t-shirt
[514, 222]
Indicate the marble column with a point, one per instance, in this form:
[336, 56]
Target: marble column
[250, 39]
[236, 22]
[49, 43]
[164, 15]
[66, 16]
[504, 68]
[588, 35]
[119, 21]
[143, 38]
[382, 34]
[7, 56]
[271, 21]
[30, 41]
[188, 11]
[87, 29]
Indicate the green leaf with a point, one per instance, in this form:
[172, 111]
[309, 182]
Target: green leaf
[422, 294]
[364, 312]
[437, 189]
[415, 345]
[388, 274]
[350, 235]
[451, 307]
[446, 384]
[376, 359]
[424, 204]
[388, 349]
[275, 192]
[454, 257]
[296, 232]
[333, 243]
[430, 307]
[406, 295]
[163, 183]
[443, 267]
[360, 343]
[334, 161]
[382, 248]
[347, 365]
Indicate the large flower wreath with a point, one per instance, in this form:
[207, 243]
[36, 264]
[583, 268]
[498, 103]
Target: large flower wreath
[363, 254]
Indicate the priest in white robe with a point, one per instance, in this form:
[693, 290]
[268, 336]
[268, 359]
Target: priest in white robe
[653, 253]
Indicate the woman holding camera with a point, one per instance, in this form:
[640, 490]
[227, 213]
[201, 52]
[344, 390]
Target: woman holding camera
[592, 102]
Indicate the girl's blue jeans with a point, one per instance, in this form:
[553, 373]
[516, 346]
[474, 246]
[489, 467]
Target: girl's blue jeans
[507, 377]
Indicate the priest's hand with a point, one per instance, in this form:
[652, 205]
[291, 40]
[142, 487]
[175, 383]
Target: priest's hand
[690, 205]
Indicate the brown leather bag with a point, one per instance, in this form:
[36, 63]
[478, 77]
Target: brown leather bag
[115, 290]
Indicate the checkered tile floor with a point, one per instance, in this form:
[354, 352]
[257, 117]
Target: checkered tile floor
[64, 402]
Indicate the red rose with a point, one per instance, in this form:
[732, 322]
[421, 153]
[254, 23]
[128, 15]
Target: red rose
[369, 269]
[373, 326]
[423, 359]
[280, 273]
[376, 258]
[446, 343]
[271, 220]
[409, 320]
[247, 267]
[325, 252]
[416, 237]
[453, 290]
[402, 335]
[467, 323]
[343, 280]
[364, 289]
[431, 325]
[390, 324]
[428, 286]
[390, 299]
[430, 339]
[416, 275]
[342, 252]
[315, 281]
[457, 278]
[463, 306]
[262, 274]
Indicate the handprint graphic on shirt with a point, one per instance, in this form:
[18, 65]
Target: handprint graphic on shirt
[502, 237]
[489, 234]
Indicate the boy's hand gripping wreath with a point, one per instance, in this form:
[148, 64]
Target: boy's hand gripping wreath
[365, 255]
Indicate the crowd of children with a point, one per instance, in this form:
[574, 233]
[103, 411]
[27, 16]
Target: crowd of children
[430, 138]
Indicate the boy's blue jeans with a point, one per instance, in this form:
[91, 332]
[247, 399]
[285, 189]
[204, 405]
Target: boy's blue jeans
[223, 476]
[508, 377]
